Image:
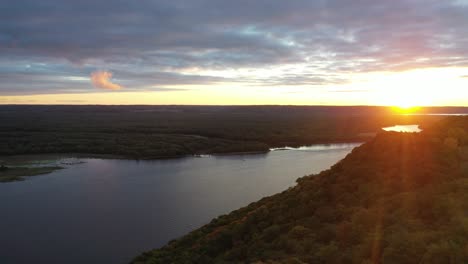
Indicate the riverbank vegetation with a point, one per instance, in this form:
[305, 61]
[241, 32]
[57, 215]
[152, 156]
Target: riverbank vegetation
[399, 198]
[10, 174]
[172, 131]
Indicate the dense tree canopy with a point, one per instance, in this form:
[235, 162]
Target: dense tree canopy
[170, 131]
[400, 198]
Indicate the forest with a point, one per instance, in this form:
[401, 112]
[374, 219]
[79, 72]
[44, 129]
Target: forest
[399, 198]
[148, 132]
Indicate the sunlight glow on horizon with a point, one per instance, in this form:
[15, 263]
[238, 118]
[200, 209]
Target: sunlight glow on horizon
[404, 90]
[419, 87]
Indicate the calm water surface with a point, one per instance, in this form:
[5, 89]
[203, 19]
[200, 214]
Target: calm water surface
[404, 128]
[108, 211]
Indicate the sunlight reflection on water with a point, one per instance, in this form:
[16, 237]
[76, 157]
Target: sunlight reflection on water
[404, 128]
[320, 147]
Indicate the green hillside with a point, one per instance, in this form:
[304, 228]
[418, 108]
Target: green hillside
[400, 198]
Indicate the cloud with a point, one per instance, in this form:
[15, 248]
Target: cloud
[101, 79]
[152, 43]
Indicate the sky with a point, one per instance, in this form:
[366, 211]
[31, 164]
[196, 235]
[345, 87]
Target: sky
[304, 52]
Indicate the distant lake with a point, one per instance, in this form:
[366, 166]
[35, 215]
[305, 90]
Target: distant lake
[110, 210]
[403, 128]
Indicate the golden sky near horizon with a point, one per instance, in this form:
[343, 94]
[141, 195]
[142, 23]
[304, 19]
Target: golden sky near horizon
[425, 87]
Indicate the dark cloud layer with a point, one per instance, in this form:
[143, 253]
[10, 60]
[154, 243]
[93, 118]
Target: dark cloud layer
[54, 45]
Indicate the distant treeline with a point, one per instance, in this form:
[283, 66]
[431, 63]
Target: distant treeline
[170, 131]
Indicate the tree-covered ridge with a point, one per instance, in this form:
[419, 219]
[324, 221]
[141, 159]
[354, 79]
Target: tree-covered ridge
[400, 198]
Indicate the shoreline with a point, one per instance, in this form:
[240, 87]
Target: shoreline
[15, 174]
[37, 157]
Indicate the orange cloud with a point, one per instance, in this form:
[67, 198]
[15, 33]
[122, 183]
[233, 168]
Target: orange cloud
[101, 79]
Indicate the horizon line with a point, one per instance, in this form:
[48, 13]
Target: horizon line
[246, 105]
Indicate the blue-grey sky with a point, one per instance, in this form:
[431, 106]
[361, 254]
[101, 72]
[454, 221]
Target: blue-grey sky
[76, 47]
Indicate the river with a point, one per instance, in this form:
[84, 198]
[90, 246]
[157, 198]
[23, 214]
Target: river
[110, 210]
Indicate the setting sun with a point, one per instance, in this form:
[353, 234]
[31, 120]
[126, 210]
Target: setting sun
[405, 104]
[402, 109]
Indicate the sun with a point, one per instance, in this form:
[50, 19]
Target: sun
[401, 99]
[403, 102]
[405, 109]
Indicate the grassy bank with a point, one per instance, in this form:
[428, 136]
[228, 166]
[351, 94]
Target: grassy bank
[10, 174]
